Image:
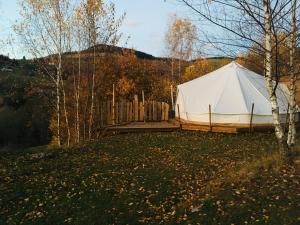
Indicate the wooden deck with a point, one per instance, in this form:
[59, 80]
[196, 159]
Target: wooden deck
[173, 125]
[135, 127]
[224, 128]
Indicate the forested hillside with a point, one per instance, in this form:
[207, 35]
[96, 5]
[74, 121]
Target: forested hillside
[24, 104]
[27, 94]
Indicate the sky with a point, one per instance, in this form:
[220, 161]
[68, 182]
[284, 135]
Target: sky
[145, 24]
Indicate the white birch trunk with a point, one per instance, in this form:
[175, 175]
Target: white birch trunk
[268, 77]
[59, 72]
[58, 109]
[77, 98]
[113, 106]
[293, 78]
[92, 96]
[66, 113]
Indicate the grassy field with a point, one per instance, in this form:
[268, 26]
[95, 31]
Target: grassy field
[159, 178]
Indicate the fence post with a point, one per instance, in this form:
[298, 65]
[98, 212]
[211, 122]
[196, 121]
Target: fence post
[127, 111]
[251, 118]
[178, 112]
[136, 108]
[179, 116]
[210, 126]
[124, 106]
[172, 97]
[130, 112]
[143, 98]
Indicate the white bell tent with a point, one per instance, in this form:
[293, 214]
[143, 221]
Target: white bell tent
[232, 92]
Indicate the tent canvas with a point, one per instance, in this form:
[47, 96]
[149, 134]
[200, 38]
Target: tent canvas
[230, 91]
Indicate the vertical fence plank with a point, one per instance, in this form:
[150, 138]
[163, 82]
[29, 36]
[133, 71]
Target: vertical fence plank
[143, 101]
[124, 111]
[167, 112]
[127, 111]
[129, 118]
[136, 108]
[116, 111]
[145, 111]
[159, 111]
[163, 111]
[141, 112]
[150, 109]
[154, 111]
[107, 112]
[121, 111]
[130, 112]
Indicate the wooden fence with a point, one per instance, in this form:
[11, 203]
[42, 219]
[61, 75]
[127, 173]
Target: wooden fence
[111, 112]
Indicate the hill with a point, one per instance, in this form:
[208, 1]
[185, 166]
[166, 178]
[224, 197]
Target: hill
[102, 49]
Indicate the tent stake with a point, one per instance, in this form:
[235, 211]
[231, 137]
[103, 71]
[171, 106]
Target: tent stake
[179, 116]
[172, 97]
[251, 118]
[210, 126]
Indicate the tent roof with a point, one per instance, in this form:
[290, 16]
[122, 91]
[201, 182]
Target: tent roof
[230, 90]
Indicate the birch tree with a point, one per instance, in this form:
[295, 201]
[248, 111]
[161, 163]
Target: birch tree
[93, 11]
[78, 30]
[180, 39]
[268, 75]
[293, 76]
[102, 27]
[44, 29]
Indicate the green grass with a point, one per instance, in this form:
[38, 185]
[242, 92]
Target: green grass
[159, 178]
